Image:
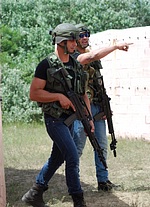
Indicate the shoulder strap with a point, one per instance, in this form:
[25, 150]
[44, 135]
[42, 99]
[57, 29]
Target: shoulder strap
[53, 60]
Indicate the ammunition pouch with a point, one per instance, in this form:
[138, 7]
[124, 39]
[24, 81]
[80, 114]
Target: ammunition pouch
[89, 89]
[55, 110]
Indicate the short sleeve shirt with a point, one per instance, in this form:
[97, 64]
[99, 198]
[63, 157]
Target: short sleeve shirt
[41, 69]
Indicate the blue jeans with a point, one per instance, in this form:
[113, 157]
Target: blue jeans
[100, 133]
[64, 149]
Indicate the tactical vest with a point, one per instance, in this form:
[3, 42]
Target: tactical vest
[55, 83]
[93, 70]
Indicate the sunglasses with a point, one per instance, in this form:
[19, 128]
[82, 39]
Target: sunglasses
[82, 35]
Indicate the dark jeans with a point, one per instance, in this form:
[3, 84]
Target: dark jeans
[63, 149]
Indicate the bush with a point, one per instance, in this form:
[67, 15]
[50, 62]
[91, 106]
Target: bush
[16, 105]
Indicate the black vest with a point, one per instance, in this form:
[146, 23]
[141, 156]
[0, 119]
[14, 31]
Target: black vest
[55, 83]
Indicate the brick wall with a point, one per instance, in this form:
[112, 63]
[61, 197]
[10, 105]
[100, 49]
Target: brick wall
[127, 80]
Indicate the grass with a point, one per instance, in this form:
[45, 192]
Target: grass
[27, 147]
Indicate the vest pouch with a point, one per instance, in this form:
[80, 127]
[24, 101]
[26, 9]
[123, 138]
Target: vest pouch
[53, 109]
[53, 83]
[90, 90]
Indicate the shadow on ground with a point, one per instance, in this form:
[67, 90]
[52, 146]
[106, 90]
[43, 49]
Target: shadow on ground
[19, 181]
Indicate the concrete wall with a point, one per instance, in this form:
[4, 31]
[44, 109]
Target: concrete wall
[127, 80]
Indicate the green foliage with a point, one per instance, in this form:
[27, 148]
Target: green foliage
[16, 105]
[25, 39]
[120, 14]
[11, 40]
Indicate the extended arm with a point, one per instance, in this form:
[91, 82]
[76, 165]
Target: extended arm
[97, 54]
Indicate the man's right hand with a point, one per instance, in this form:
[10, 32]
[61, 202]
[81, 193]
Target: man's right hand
[123, 46]
[65, 102]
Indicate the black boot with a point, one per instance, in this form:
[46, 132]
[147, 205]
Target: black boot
[105, 186]
[78, 200]
[34, 196]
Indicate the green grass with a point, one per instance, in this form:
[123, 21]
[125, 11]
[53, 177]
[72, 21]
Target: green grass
[27, 147]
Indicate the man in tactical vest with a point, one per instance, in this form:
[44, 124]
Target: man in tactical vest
[79, 136]
[47, 88]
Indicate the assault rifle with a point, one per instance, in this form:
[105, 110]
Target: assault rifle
[104, 101]
[81, 114]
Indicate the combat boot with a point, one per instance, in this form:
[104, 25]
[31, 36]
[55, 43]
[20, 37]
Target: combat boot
[78, 200]
[34, 196]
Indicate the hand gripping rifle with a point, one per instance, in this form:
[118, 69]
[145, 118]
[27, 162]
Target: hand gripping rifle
[81, 114]
[105, 104]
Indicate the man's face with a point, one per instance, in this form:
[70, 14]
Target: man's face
[84, 39]
[71, 45]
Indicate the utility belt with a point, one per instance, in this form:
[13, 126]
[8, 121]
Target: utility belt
[55, 110]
